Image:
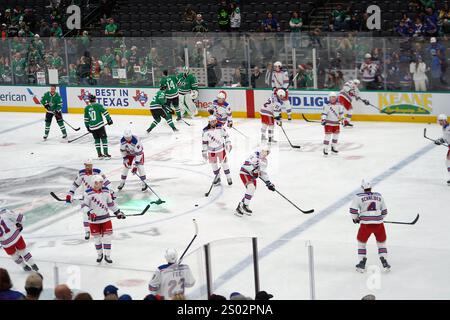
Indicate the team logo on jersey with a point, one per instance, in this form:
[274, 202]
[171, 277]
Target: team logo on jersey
[404, 102]
[84, 96]
[141, 97]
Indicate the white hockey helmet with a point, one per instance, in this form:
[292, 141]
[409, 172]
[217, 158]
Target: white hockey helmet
[171, 255]
[127, 133]
[332, 94]
[212, 118]
[265, 148]
[88, 162]
[366, 184]
[442, 117]
[281, 94]
[277, 64]
[367, 56]
[356, 82]
[221, 95]
[97, 178]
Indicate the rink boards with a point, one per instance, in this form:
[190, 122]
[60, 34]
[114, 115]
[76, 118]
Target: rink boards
[245, 103]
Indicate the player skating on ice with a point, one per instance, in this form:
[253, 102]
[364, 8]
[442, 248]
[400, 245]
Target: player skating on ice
[93, 120]
[331, 118]
[271, 111]
[133, 156]
[84, 180]
[368, 209]
[172, 278]
[12, 241]
[348, 94]
[159, 109]
[172, 96]
[280, 80]
[97, 203]
[443, 122]
[215, 149]
[53, 104]
[221, 109]
[188, 91]
[255, 166]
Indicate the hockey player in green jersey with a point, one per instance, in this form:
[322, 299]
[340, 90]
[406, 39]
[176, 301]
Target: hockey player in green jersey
[93, 120]
[159, 109]
[170, 81]
[188, 90]
[53, 103]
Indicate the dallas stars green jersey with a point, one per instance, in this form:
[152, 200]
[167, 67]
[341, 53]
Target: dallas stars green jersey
[93, 116]
[55, 101]
[171, 82]
[186, 83]
[158, 101]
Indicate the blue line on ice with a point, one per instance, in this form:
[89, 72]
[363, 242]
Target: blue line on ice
[285, 238]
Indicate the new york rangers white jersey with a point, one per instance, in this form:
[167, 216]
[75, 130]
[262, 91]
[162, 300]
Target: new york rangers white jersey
[349, 91]
[369, 207]
[280, 79]
[215, 140]
[171, 279]
[99, 203]
[132, 148]
[272, 107]
[369, 71]
[332, 114]
[446, 133]
[222, 111]
[255, 166]
[9, 233]
[84, 180]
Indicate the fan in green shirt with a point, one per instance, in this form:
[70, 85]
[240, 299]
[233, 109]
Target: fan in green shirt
[93, 120]
[53, 104]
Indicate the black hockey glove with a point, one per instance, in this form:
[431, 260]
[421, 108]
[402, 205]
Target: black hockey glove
[270, 186]
[356, 220]
[19, 226]
[47, 106]
[366, 102]
[89, 130]
[119, 214]
[439, 141]
[110, 122]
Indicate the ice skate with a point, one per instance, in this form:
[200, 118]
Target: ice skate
[35, 267]
[385, 264]
[99, 258]
[108, 259]
[121, 185]
[87, 235]
[26, 268]
[333, 149]
[361, 266]
[239, 211]
[230, 182]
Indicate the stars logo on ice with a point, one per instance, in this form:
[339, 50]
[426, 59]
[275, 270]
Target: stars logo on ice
[84, 96]
[141, 97]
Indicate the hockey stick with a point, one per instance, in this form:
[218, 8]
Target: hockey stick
[367, 103]
[410, 223]
[76, 129]
[138, 214]
[59, 199]
[185, 122]
[240, 132]
[190, 243]
[157, 202]
[215, 177]
[303, 211]
[78, 137]
[293, 146]
[425, 136]
[307, 120]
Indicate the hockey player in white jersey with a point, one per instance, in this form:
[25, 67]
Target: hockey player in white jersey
[84, 180]
[133, 156]
[221, 109]
[172, 278]
[368, 209]
[255, 166]
[331, 118]
[96, 204]
[443, 122]
[348, 94]
[12, 241]
[280, 80]
[216, 146]
[271, 112]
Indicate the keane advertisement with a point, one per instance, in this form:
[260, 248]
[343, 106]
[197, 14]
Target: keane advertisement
[406, 102]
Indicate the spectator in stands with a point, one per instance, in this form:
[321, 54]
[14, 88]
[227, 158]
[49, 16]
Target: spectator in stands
[73, 76]
[55, 11]
[428, 3]
[55, 30]
[110, 290]
[315, 38]
[189, 15]
[33, 286]
[355, 23]
[436, 70]
[236, 78]
[270, 23]
[418, 69]
[83, 296]
[369, 71]
[106, 77]
[211, 72]
[364, 26]
[108, 59]
[3, 31]
[44, 29]
[223, 16]
[430, 22]
[444, 18]
[402, 29]
[5, 70]
[338, 16]
[235, 17]
[295, 26]
[197, 55]
[30, 20]
[392, 70]
[199, 25]
[437, 51]
[133, 59]
[18, 66]
[105, 10]
[56, 62]
[305, 78]
[5, 286]
[405, 79]
[63, 292]
[406, 20]
[257, 78]
[268, 75]
[7, 18]
[346, 48]
[418, 29]
[111, 28]
[84, 70]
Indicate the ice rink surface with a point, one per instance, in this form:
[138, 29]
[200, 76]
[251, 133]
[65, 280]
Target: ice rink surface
[408, 170]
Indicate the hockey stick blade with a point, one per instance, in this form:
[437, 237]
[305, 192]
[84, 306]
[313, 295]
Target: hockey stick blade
[187, 123]
[293, 146]
[75, 129]
[78, 137]
[425, 136]
[308, 120]
[56, 197]
[408, 223]
[139, 214]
